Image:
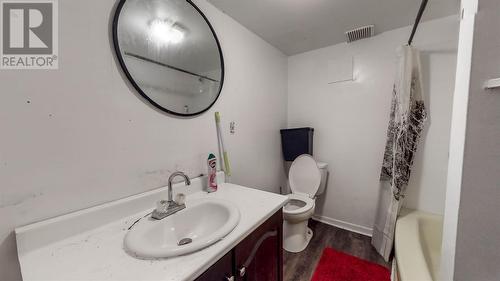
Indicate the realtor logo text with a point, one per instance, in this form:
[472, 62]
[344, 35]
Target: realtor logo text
[29, 34]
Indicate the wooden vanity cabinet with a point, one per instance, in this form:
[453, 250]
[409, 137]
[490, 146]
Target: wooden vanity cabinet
[222, 270]
[259, 257]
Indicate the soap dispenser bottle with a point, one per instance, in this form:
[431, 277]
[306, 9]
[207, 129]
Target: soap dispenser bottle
[212, 173]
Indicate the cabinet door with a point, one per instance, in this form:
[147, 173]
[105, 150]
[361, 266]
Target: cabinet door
[220, 271]
[259, 257]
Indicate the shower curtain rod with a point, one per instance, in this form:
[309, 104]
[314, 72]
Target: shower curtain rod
[169, 66]
[417, 20]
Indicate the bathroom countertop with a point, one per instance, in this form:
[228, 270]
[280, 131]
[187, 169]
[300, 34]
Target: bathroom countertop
[98, 253]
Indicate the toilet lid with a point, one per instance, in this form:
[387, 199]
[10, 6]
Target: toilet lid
[304, 175]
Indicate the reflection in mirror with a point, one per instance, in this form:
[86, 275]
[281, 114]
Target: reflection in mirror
[170, 53]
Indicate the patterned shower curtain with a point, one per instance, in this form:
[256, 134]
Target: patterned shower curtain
[407, 119]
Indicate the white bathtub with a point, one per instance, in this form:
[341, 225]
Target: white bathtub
[418, 245]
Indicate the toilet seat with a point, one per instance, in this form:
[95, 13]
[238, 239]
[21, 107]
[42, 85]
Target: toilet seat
[304, 176]
[308, 204]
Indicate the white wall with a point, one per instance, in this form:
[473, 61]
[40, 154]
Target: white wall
[477, 255]
[351, 118]
[86, 138]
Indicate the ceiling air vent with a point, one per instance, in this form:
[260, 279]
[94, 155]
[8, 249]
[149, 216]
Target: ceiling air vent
[360, 33]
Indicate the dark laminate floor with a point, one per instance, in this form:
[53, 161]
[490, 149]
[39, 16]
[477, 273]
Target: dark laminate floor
[301, 266]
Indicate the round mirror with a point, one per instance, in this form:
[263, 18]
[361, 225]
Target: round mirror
[170, 53]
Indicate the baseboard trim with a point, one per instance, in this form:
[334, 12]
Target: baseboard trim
[344, 225]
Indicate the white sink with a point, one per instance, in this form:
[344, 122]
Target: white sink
[202, 223]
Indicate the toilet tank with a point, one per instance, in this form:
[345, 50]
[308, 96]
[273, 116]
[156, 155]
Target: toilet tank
[323, 167]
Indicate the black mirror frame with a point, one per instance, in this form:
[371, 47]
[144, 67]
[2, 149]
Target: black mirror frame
[136, 86]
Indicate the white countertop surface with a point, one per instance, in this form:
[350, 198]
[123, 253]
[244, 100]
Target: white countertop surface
[98, 254]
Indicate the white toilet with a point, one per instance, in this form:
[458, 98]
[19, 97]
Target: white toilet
[307, 179]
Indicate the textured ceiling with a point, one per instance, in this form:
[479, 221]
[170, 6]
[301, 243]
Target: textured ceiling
[296, 26]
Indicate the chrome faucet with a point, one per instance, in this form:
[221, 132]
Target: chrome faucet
[169, 207]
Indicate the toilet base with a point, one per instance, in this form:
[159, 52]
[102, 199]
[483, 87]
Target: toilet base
[296, 236]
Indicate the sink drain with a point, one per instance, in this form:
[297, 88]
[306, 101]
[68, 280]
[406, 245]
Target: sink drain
[184, 241]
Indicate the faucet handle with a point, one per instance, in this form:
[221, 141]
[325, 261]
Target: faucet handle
[162, 206]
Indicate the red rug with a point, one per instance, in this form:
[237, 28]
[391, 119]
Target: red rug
[337, 266]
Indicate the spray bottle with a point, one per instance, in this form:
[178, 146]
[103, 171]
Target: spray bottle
[212, 173]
